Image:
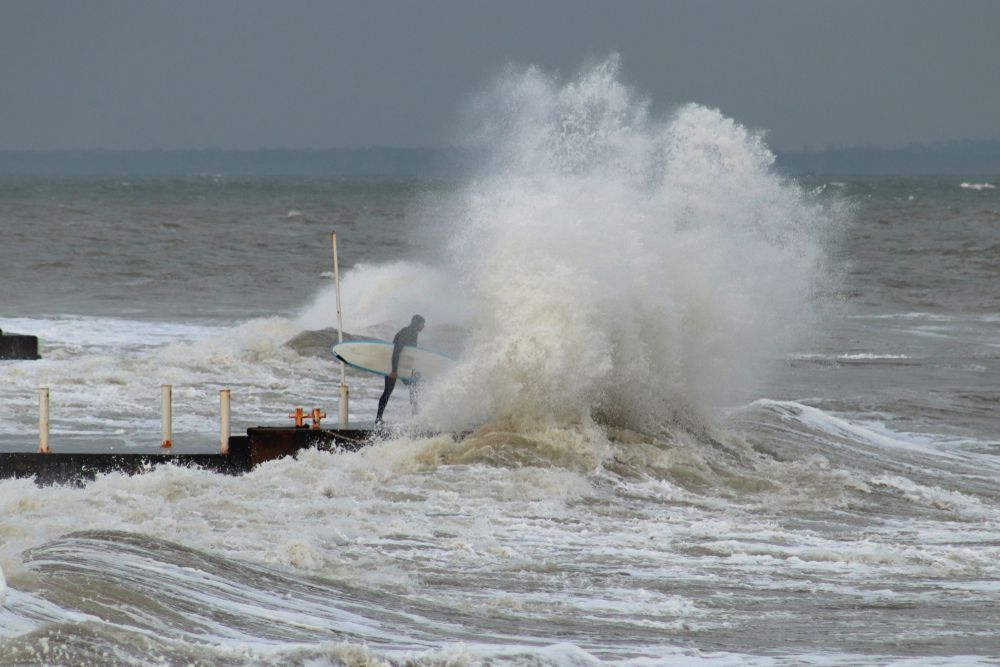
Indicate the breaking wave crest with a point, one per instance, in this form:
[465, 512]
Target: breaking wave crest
[623, 266]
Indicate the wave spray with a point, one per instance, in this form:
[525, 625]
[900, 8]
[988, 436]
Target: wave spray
[623, 267]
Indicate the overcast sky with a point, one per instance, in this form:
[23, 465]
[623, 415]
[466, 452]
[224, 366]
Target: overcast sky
[320, 74]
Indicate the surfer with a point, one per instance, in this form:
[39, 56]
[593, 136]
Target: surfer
[405, 336]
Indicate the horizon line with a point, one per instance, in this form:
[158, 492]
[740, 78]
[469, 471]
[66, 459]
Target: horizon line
[806, 148]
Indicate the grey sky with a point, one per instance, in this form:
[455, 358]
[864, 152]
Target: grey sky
[319, 74]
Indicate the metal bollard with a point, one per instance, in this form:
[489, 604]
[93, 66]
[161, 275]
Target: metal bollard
[166, 418]
[299, 416]
[43, 420]
[224, 421]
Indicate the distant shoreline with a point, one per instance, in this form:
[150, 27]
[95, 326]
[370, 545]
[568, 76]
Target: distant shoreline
[958, 158]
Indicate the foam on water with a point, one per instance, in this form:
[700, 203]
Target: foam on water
[492, 541]
[70, 334]
[104, 376]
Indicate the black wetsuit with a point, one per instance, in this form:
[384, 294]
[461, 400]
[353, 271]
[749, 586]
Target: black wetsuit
[405, 336]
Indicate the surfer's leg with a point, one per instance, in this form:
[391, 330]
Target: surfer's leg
[390, 384]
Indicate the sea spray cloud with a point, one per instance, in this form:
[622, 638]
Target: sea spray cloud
[384, 296]
[622, 265]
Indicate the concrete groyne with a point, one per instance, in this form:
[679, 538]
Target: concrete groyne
[18, 346]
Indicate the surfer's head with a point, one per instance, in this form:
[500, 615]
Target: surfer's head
[417, 322]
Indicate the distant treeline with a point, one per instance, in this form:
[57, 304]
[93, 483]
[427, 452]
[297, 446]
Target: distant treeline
[973, 158]
[361, 162]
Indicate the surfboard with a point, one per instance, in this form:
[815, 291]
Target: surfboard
[375, 356]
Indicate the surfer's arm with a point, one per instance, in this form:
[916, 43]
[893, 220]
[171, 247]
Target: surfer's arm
[397, 349]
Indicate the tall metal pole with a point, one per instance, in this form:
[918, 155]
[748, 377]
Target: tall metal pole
[342, 411]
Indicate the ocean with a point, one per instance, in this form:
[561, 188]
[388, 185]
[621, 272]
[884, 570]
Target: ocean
[716, 415]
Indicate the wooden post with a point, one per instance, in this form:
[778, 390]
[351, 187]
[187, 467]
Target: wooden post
[224, 421]
[167, 414]
[43, 420]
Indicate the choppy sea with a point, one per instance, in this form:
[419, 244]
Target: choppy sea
[718, 416]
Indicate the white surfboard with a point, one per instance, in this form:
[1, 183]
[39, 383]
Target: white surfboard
[375, 356]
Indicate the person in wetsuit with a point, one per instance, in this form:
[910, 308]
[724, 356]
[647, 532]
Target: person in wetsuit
[405, 336]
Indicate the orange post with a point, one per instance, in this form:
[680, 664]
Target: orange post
[299, 416]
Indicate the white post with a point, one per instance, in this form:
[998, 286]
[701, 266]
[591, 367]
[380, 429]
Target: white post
[166, 418]
[224, 429]
[342, 406]
[342, 411]
[43, 420]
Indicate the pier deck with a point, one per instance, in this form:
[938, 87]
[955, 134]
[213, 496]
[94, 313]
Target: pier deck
[260, 444]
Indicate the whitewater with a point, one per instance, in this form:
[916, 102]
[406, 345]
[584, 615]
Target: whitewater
[703, 414]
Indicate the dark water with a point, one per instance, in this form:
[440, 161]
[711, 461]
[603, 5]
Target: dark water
[202, 248]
